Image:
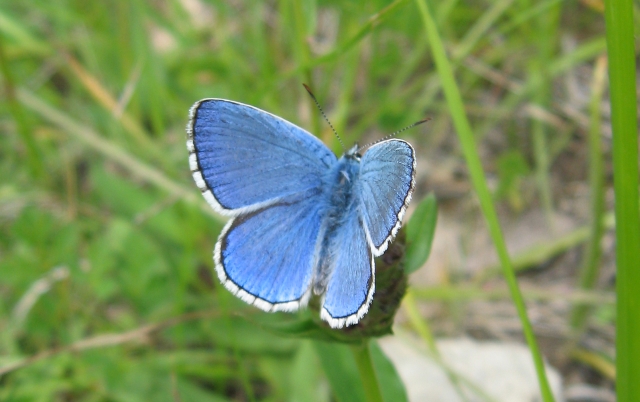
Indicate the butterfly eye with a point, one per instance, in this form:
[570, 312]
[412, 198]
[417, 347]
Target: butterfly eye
[355, 156]
[353, 153]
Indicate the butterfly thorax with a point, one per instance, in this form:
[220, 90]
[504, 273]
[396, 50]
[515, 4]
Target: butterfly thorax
[340, 178]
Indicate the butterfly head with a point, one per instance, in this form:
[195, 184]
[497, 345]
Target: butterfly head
[353, 153]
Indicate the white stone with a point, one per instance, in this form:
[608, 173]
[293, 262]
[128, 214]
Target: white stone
[503, 370]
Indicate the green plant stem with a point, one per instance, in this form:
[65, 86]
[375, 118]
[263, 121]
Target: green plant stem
[419, 324]
[622, 91]
[547, 28]
[591, 262]
[478, 179]
[362, 355]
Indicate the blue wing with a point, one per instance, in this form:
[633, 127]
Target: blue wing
[244, 159]
[267, 257]
[384, 188]
[351, 284]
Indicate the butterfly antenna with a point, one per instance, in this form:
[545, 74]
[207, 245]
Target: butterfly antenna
[417, 123]
[324, 115]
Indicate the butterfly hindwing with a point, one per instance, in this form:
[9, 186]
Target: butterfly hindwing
[351, 284]
[384, 188]
[267, 257]
[243, 158]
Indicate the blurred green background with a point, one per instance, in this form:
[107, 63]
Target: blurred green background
[106, 245]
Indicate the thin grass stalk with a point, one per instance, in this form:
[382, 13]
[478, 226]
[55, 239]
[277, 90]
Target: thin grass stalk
[478, 179]
[362, 356]
[547, 33]
[624, 123]
[591, 263]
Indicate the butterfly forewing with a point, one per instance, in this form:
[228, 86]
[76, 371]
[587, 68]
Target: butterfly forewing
[243, 158]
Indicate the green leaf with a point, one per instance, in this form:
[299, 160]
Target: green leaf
[619, 24]
[420, 232]
[341, 371]
[305, 376]
[391, 385]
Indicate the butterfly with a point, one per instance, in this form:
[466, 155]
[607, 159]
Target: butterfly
[302, 220]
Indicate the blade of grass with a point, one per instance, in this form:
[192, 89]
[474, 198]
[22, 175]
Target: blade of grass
[362, 356]
[478, 179]
[596, 361]
[590, 266]
[622, 92]
[547, 26]
[391, 386]
[341, 371]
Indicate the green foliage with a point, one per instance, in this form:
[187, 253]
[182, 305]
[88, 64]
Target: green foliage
[420, 231]
[341, 366]
[624, 122]
[107, 291]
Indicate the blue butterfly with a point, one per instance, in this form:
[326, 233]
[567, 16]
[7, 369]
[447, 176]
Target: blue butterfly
[302, 220]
